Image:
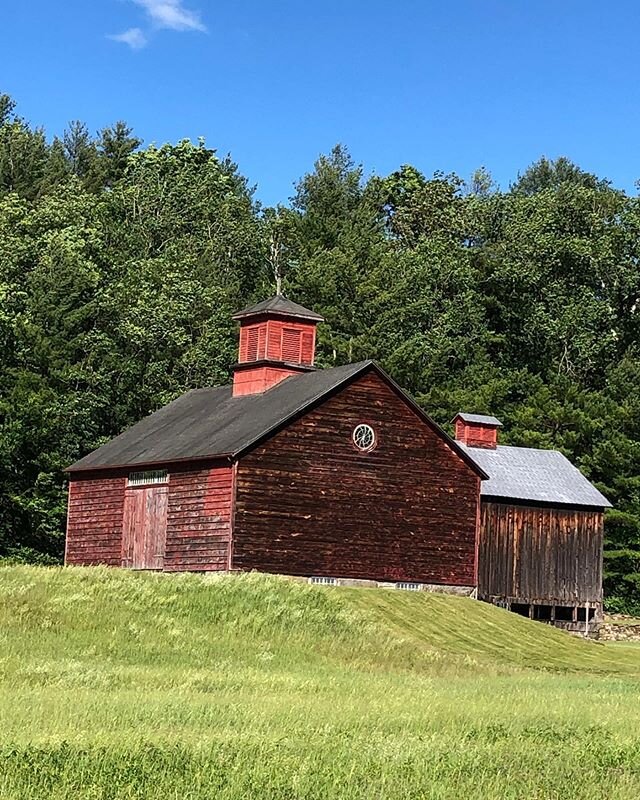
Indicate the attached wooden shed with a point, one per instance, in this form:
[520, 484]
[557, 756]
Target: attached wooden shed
[328, 474]
[541, 531]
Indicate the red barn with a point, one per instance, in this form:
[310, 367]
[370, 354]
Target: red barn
[329, 474]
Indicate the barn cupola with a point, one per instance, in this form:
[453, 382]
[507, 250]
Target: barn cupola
[476, 430]
[277, 339]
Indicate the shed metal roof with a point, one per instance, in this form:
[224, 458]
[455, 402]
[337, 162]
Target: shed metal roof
[279, 304]
[525, 473]
[211, 423]
[481, 419]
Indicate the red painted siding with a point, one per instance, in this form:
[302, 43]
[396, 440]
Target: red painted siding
[259, 379]
[476, 435]
[278, 340]
[199, 519]
[309, 503]
[95, 515]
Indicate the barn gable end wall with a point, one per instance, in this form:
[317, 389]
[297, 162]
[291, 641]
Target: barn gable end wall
[308, 502]
[536, 554]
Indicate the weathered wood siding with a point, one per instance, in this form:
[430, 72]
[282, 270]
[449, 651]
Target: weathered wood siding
[95, 514]
[258, 379]
[199, 519]
[540, 554]
[474, 434]
[144, 529]
[308, 502]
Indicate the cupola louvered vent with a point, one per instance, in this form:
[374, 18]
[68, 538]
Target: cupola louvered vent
[291, 345]
[252, 343]
[277, 341]
[307, 348]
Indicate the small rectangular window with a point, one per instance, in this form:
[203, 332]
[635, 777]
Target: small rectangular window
[409, 587]
[149, 477]
[323, 581]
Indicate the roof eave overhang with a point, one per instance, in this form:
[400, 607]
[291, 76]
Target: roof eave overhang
[284, 315]
[524, 501]
[77, 467]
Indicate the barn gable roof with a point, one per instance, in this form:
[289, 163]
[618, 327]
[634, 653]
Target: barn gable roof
[211, 423]
[529, 474]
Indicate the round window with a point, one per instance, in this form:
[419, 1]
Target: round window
[364, 437]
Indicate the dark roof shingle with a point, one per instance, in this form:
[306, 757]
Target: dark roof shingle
[211, 423]
[279, 304]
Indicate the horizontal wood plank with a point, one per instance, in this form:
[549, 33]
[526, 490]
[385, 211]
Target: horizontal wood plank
[310, 503]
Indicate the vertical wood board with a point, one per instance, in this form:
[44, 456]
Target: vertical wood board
[540, 553]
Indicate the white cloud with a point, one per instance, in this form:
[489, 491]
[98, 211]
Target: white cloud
[171, 14]
[134, 37]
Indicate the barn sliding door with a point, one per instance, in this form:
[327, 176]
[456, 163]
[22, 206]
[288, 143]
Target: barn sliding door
[144, 526]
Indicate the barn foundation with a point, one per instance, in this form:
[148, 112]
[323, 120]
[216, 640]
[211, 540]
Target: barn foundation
[583, 619]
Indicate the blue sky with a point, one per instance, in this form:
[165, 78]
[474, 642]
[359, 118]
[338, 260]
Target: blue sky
[446, 85]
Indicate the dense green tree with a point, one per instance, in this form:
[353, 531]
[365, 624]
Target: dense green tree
[548, 174]
[114, 147]
[336, 239]
[80, 150]
[23, 152]
[120, 268]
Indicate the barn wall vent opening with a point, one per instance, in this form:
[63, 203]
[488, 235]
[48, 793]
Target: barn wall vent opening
[542, 613]
[364, 437]
[582, 614]
[148, 478]
[323, 581]
[521, 608]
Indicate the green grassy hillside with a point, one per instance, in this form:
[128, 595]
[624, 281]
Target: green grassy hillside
[124, 685]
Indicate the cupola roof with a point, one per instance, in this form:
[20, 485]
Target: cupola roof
[280, 305]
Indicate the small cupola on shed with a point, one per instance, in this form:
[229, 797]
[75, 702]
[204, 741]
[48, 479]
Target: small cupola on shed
[277, 339]
[477, 430]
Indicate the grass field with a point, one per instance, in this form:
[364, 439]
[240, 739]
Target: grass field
[123, 685]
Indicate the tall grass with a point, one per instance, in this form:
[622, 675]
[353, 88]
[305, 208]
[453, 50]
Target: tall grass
[121, 685]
